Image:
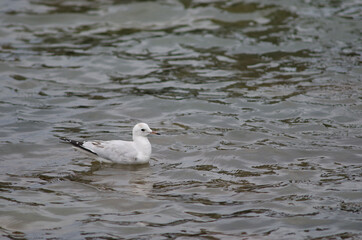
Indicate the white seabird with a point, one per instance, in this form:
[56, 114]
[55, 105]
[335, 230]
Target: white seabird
[137, 151]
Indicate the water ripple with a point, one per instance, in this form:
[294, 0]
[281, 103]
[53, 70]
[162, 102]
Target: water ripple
[258, 105]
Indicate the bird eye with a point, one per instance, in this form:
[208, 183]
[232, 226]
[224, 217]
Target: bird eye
[143, 130]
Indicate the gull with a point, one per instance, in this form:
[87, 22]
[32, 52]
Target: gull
[137, 151]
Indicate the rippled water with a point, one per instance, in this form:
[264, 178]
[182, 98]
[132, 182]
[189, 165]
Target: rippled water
[258, 103]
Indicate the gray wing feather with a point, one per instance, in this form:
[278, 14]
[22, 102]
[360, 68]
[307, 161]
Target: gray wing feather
[115, 150]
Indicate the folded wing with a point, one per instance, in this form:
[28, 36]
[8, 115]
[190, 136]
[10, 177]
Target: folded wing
[115, 150]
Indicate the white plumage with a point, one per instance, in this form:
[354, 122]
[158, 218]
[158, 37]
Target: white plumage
[137, 151]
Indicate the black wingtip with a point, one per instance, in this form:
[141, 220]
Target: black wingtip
[73, 142]
[63, 139]
[76, 144]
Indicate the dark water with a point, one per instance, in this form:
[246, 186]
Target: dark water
[258, 103]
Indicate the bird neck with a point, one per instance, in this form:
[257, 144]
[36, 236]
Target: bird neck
[142, 144]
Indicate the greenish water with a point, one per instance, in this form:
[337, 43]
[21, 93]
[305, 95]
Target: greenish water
[258, 103]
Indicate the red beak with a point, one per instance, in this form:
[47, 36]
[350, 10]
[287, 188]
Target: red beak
[156, 133]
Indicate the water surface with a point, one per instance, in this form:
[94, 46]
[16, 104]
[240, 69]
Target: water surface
[258, 103]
